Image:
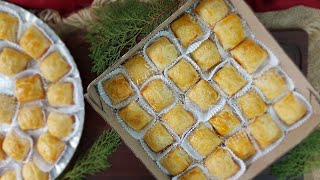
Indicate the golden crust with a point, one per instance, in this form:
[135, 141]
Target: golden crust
[34, 42]
[230, 31]
[207, 55]
[29, 89]
[225, 121]
[9, 175]
[193, 174]
[183, 74]
[8, 27]
[289, 109]
[271, 84]
[30, 171]
[204, 140]
[186, 29]
[158, 138]
[162, 53]
[60, 125]
[8, 106]
[176, 161]
[265, 130]
[158, 95]
[138, 69]
[2, 153]
[30, 118]
[60, 94]
[54, 67]
[179, 119]
[16, 147]
[135, 117]
[203, 94]
[252, 105]
[249, 55]
[13, 62]
[117, 88]
[240, 144]
[229, 79]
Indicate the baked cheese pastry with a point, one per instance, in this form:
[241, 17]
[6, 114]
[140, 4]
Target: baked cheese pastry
[29, 89]
[49, 147]
[13, 61]
[60, 94]
[15, 146]
[240, 144]
[252, 105]
[193, 174]
[30, 171]
[30, 118]
[60, 125]
[2, 153]
[9, 175]
[8, 106]
[158, 138]
[9, 25]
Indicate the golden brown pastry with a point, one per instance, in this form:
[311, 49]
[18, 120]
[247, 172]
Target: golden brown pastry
[29, 89]
[265, 130]
[179, 119]
[207, 55]
[176, 161]
[34, 42]
[158, 137]
[12, 61]
[138, 69]
[211, 11]
[158, 95]
[249, 55]
[186, 29]
[221, 165]
[135, 117]
[289, 109]
[183, 74]
[271, 83]
[204, 140]
[203, 94]
[193, 174]
[30, 171]
[117, 88]
[162, 53]
[229, 79]
[60, 94]
[252, 105]
[9, 175]
[49, 147]
[230, 31]
[8, 106]
[2, 153]
[240, 144]
[8, 27]
[31, 118]
[224, 121]
[60, 125]
[16, 147]
[54, 67]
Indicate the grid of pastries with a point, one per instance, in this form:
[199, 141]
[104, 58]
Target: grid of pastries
[215, 106]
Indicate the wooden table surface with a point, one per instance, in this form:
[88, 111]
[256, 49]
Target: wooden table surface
[124, 164]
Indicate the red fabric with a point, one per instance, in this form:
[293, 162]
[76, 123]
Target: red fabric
[271, 5]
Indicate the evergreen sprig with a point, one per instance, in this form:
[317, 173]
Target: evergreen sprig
[120, 25]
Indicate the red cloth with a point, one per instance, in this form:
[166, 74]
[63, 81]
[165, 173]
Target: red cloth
[271, 5]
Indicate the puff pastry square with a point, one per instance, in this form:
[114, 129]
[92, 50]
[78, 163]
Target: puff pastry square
[204, 140]
[249, 55]
[49, 147]
[271, 83]
[162, 53]
[203, 94]
[221, 164]
[138, 69]
[8, 27]
[230, 31]
[183, 74]
[31, 118]
[176, 161]
[207, 55]
[179, 119]
[29, 89]
[60, 94]
[193, 174]
[34, 42]
[9, 175]
[158, 95]
[229, 79]
[289, 109]
[252, 105]
[265, 130]
[15, 146]
[60, 125]
[30, 171]
[2, 153]
[211, 11]
[158, 138]
[186, 29]
[54, 67]
[240, 144]
[8, 106]
[12, 61]
[135, 117]
[118, 89]
[225, 121]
